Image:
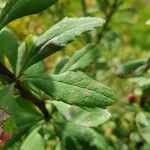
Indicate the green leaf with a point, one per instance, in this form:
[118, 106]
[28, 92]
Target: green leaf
[82, 58]
[59, 65]
[9, 47]
[37, 68]
[129, 68]
[82, 116]
[26, 116]
[143, 123]
[74, 88]
[58, 36]
[17, 8]
[78, 136]
[17, 134]
[27, 112]
[33, 141]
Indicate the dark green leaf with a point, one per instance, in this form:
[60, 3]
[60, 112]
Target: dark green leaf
[18, 8]
[9, 47]
[74, 88]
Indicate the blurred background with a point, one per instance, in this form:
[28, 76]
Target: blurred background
[124, 37]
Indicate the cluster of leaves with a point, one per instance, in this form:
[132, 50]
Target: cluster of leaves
[67, 103]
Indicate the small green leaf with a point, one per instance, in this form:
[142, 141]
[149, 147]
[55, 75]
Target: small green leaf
[129, 68]
[82, 116]
[33, 141]
[74, 88]
[9, 47]
[82, 58]
[143, 123]
[60, 64]
[18, 8]
[58, 36]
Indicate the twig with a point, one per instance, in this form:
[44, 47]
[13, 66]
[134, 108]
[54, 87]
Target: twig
[109, 16]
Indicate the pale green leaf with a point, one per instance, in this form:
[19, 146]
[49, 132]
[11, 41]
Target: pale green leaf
[58, 36]
[82, 116]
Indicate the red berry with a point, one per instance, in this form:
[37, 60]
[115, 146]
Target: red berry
[4, 137]
[131, 98]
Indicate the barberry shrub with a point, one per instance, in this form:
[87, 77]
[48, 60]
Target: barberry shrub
[63, 106]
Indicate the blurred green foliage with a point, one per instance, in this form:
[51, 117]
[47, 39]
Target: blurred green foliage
[126, 38]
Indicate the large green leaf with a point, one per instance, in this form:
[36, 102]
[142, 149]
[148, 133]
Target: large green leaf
[9, 47]
[18, 8]
[58, 36]
[74, 88]
[82, 116]
[82, 58]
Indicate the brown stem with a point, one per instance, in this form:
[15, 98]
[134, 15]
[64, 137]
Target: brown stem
[84, 8]
[109, 16]
[24, 92]
[5, 72]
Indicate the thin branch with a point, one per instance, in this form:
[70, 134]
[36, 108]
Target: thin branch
[5, 72]
[24, 92]
[109, 16]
